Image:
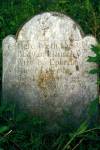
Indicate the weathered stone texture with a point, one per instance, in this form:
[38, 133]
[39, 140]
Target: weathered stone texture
[46, 66]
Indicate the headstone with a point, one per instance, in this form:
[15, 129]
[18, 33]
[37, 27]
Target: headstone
[45, 65]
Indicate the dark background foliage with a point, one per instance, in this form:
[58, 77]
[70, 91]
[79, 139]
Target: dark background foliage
[24, 132]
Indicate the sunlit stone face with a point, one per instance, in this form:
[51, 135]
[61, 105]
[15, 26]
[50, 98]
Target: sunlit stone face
[45, 67]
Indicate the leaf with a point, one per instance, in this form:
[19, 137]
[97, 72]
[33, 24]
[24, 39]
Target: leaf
[94, 71]
[82, 128]
[4, 129]
[1, 149]
[96, 49]
[88, 5]
[93, 59]
[1, 18]
[93, 107]
[98, 82]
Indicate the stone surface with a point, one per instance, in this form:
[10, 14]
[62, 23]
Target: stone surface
[45, 66]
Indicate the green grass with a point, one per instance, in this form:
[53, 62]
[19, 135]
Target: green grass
[22, 131]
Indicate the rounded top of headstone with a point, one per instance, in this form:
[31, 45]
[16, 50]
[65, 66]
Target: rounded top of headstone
[51, 25]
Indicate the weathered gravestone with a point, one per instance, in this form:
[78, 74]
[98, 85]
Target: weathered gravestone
[45, 65]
